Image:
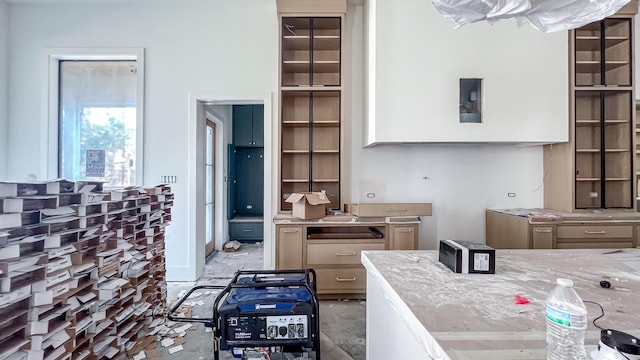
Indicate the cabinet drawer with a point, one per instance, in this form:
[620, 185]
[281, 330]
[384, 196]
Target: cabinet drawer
[342, 280]
[245, 230]
[594, 231]
[338, 254]
[391, 209]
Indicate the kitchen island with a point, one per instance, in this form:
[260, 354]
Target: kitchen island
[419, 309]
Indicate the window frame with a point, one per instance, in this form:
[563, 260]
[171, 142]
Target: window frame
[51, 118]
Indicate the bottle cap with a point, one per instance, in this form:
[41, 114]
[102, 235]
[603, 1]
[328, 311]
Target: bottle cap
[564, 282]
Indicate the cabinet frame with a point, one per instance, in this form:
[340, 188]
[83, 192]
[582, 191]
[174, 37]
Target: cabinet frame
[567, 185]
[301, 151]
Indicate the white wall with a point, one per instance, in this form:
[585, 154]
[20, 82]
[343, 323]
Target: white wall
[420, 58]
[4, 85]
[191, 47]
[460, 180]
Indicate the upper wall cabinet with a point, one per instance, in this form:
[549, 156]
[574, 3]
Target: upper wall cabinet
[310, 51]
[414, 63]
[603, 53]
[248, 125]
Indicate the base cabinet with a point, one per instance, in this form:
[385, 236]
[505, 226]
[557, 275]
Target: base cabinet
[545, 229]
[334, 251]
[403, 237]
[248, 230]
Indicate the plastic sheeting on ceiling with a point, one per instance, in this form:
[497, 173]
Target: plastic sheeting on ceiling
[544, 15]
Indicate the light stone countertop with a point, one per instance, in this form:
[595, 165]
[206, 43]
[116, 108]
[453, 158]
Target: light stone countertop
[475, 314]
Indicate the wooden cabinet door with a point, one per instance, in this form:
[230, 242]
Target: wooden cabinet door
[404, 237]
[232, 183]
[249, 184]
[542, 237]
[257, 133]
[243, 125]
[289, 248]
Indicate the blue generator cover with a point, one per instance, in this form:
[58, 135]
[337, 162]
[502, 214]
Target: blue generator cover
[271, 292]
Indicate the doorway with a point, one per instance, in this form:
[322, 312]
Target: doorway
[219, 109]
[210, 184]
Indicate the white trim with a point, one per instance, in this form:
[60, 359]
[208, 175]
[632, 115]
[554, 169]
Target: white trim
[219, 201]
[195, 216]
[49, 123]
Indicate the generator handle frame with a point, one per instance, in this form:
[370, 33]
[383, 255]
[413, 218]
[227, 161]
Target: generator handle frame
[208, 322]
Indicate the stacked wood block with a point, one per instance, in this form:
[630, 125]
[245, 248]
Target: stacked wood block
[82, 270]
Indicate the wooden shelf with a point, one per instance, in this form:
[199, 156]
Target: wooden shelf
[617, 179]
[616, 150]
[593, 90]
[295, 180]
[306, 87]
[326, 180]
[580, 38]
[284, 151]
[296, 123]
[336, 151]
[326, 42]
[295, 66]
[326, 66]
[617, 122]
[614, 40]
[612, 64]
[587, 122]
[326, 123]
[592, 43]
[587, 150]
[296, 42]
[597, 122]
[588, 179]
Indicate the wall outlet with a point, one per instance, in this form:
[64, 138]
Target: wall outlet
[371, 195]
[168, 179]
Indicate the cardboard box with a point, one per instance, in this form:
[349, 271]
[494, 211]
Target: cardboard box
[467, 257]
[308, 205]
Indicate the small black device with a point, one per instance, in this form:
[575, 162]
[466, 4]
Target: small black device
[467, 257]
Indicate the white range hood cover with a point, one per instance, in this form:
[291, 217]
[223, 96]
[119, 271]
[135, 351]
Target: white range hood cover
[544, 15]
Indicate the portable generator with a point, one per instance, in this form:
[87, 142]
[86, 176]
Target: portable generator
[266, 315]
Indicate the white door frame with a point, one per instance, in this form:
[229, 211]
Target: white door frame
[196, 176]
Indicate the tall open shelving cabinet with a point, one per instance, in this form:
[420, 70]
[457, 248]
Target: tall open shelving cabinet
[310, 99]
[595, 169]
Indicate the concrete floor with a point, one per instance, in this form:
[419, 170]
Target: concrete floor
[342, 323]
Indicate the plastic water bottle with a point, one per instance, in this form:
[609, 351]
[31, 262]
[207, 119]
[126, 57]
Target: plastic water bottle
[566, 323]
